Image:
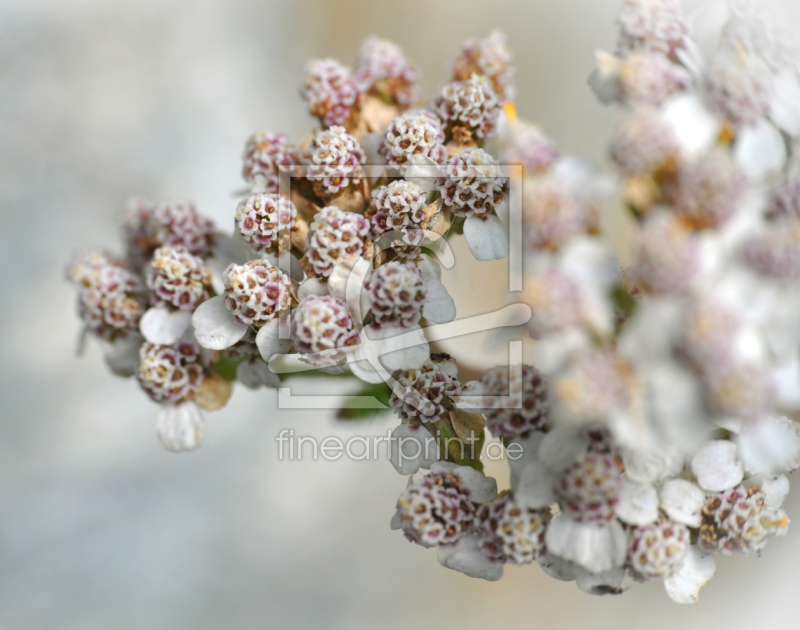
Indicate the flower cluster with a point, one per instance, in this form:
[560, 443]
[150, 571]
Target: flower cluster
[384, 71]
[470, 105]
[264, 154]
[261, 217]
[331, 91]
[334, 160]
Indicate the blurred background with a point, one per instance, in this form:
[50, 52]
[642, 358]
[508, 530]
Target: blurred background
[100, 528]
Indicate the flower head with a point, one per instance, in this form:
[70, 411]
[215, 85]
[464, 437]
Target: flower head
[471, 104]
[510, 533]
[384, 70]
[653, 25]
[474, 183]
[256, 292]
[335, 236]
[511, 421]
[264, 153]
[396, 294]
[426, 393]
[399, 207]
[261, 217]
[657, 549]
[335, 160]
[413, 133]
[178, 279]
[331, 91]
[170, 373]
[322, 324]
[489, 57]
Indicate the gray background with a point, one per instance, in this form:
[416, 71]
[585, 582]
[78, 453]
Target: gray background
[101, 528]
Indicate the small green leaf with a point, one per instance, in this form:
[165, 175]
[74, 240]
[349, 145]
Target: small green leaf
[361, 405]
[226, 368]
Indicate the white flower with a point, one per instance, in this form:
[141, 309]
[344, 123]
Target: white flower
[717, 467]
[412, 447]
[465, 556]
[768, 445]
[698, 568]
[682, 501]
[180, 427]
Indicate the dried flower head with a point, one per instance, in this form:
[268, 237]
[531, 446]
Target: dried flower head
[335, 236]
[335, 160]
[331, 92]
[178, 279]
[474, 183]
[260, 217]
[436, 510]
[170, 373]
[256, 292]
[384, 71]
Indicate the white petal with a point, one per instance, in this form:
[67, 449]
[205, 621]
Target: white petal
[268, 342]
[412, 448]
[595, 547]
[694, 126]
[371, 142]
[682, 501]
[443, 467]
[346, 283]
[422, 171]
[559, 568]
[389, 349]
[638, 503]
[650, 466]
[605, 583]
[487, 238]
[716, 466]
[786, 384]
[180, 427]
[561, 446]
[438, 307]
[535, 486]
[255, 373]
[214, 325]
[466, 557]
[429, 268]
[760, 150]
[163, 327]
[122, 356]
[312, 286]
[768, 445]
[471, 396]
[785, 106]
[482, 489]
[524, 451]
[684, 587]
[776, 491]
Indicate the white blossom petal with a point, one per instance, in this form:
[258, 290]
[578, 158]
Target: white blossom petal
[604, 583]
[716, 466]
[162, 326]
[695, 128]
[312, 286]
[534, 489]
[768, 445]
[684, 587]
[595, 547]
[422, 171]
[391, 349]
[650, 466]
[559, 568]
[466, 557]
[785, 105]
[760, 150]
[268, 341]
[255, 374]
[682, 501]
[638, 503]
[122, 356]
[438, 307]
[214, 325]
[180, 427]
[482, 489]
[412, 448]
[776, 491]
[487, 238]
[525, 451]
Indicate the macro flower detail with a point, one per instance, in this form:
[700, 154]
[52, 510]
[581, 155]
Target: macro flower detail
[510, 533]
[384, 70]
[658, 549]
[643, 143]
[396, 294]
[331, 91]
[256, 292]
[321, 325]
[335, 236]
[426, 393]
[413, 133]
[553, 214]
[470, 104]
[264, 153]
[334, 161]
[261, 217]
[654, 25]
[474, 183]
[739, 521]
[509, 421]
[178, 279]
[170, 373]
[436, 510]
[489, 57]
[589, 489]
[400, 206]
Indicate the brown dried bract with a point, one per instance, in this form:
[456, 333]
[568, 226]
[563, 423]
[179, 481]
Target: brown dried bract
[213, 393]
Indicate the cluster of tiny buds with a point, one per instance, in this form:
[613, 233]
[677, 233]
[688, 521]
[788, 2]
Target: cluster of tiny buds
[588, 490]
[111, 298]
[396, 294]
[264, 153]
[170, 373]
[776, 252]
[331, 91]
[334, 161]
[413, 133]
[148, 226]
[657, 549]
[650, 79]
[642, 143]
[256, 292]
[436, 510]
[654, 25]
[739, 521]
[261, 217]
[384, 71]
[178, 279]
[471, 105]
[510, 533]
[509, 420]
[335, 236]
[474, 183]
[322, 324]
[530, 147]
[398, 206]
[490, 57]
[426, 393]
[553, 214]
